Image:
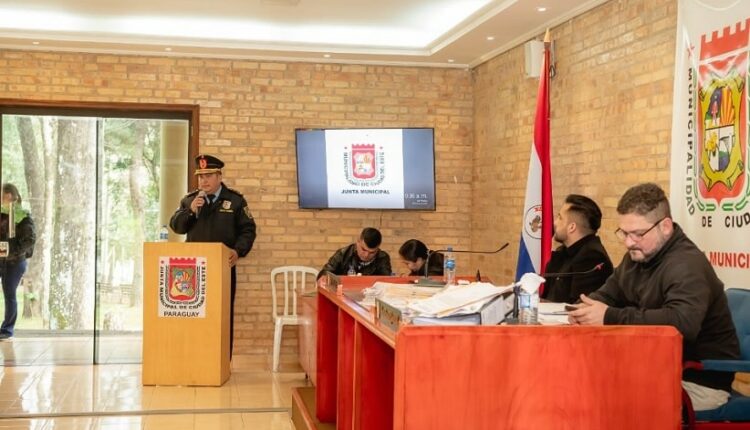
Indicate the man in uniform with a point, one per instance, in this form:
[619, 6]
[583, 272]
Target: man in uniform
[216, 213]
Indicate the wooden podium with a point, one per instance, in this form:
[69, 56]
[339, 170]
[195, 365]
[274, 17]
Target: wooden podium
[186, 308]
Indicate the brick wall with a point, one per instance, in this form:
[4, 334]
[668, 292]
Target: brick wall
[249, 111]
[611, 116]
[610, 121]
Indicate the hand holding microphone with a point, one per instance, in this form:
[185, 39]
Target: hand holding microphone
[198, 203]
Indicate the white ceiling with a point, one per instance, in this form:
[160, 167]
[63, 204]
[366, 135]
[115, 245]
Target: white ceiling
[444, 33]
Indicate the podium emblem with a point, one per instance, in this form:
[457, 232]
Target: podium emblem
[182, 287]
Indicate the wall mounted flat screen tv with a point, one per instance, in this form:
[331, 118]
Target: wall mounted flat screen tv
[383, 168]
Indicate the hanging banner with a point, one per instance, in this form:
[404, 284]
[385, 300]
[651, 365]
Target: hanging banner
[710, 191]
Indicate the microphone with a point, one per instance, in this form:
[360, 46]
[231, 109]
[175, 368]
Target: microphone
[517, 286]
[430, 253]
[201, 194]
[596, 268]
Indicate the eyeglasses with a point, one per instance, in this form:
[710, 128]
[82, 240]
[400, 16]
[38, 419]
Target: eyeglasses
[633, 235]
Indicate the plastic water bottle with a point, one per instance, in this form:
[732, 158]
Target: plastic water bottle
[163, 233]
[449, 267]
[528, 305]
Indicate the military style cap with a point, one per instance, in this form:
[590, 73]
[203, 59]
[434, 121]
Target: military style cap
[207, 164]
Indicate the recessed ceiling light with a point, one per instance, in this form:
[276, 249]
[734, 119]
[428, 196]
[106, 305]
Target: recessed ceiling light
[450, 60]
[35, 43]
[420, 35]
[327, 55]
[490, 37]
[167, 49]
[541, 9]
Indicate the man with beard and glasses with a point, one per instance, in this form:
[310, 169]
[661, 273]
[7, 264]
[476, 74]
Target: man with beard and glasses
[581, 250]
[664, 279]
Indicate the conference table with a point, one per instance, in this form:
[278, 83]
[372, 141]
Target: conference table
[368, 376]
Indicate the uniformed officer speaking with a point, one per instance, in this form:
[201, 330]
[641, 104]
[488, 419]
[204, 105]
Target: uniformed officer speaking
[216, 213]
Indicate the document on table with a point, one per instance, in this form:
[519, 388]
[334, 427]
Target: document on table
[552, 313]
[457, 300]
[396, 295]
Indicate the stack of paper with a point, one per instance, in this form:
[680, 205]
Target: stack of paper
[397, 295]
[458, 300]
[552, 313]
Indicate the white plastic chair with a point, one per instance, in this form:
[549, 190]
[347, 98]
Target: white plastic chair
[296, 282]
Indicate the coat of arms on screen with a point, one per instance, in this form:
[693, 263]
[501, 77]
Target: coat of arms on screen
[721, 152]
[364, 165]
[182, 287]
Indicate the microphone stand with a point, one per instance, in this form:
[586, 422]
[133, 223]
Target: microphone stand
[517, 288]
[427, 282]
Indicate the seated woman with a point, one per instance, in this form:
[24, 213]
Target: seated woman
[414, 253]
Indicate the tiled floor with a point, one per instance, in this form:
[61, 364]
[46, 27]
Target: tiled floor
[39, 350]
[37, 395]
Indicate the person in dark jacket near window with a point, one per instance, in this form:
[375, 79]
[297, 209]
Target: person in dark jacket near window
[14, 250]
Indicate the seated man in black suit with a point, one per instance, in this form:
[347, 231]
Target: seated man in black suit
[581, 250]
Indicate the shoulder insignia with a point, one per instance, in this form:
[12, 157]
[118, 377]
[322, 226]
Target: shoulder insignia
[231, 190]
[247, 212]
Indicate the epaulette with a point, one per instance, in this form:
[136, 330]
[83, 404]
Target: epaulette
[233, 191]
[194, 192]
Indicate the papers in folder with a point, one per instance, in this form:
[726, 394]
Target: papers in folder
[458, 300]
[552, 313]
[397, 295]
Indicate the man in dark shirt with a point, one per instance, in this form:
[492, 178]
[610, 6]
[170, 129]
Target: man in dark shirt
[581, 251]
[363, 257]
[664, 279]
[216, 213]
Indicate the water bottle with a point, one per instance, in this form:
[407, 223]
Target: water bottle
[163, 234]
[449, 267]
[528, 305]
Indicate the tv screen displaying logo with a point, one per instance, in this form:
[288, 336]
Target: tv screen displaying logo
[386, 168]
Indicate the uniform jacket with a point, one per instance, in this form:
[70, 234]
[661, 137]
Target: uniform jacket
[579, 257]
[227, 220]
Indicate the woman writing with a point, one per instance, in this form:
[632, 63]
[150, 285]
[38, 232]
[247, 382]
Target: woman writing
[414, 254]
[14, 250]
